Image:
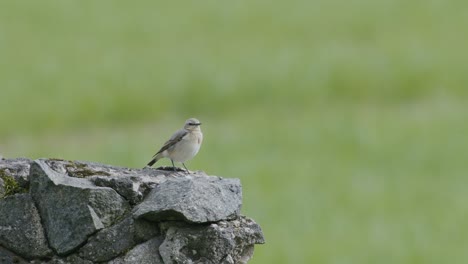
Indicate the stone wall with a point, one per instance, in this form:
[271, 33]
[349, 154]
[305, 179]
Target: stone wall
[58, 211]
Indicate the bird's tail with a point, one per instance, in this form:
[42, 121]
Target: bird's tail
[153, 161]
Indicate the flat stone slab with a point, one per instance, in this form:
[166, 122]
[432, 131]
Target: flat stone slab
[20, 227]
[194, 199]
[71, 208]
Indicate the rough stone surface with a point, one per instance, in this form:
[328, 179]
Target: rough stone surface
[133, 187]
[198, 199]
[226, 242]
[86, 169]
[72, 209]
[18, 169]
[8, 257]
[71, 259]
[145, 253]
[20, 227]
[113, 241]
[2, 188]
[85, 212]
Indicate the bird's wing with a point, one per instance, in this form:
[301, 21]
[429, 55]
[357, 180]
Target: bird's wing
[176, 137]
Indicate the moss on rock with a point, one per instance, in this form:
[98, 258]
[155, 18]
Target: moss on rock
[11, 186]
[81, 170]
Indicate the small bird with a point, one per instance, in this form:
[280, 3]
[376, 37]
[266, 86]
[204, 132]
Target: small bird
[182, 146]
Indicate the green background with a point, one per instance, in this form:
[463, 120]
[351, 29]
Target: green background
[346, 121]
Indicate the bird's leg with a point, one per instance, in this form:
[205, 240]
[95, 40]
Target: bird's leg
[173, 166]
[186, 168]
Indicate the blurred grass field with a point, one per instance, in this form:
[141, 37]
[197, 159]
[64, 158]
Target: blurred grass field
[346, 121]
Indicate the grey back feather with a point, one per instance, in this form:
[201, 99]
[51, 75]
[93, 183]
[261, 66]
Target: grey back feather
[176, 137]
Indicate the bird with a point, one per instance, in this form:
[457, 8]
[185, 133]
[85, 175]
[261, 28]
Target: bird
[183, 145]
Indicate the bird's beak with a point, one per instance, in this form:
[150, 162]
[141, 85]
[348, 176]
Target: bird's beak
[198, 124]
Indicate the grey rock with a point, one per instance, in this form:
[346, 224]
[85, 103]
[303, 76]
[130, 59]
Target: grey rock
[71, 259]
[85, 169]
[2, 188]
[132, 187]
[123, 185]
[132, 184]
[71, 208]
[8, 257]
[18, 169]
[194, 199]
[113, 241]
[225, 242]
[145, 253]
[95, 213]
[144, 230]
[20, 227]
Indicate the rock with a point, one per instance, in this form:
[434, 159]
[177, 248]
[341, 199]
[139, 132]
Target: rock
[85, 169]
[132, 187]
[8, 257]
[226, 242]
[85, 212]
[2, 188]
[71, 208]
[18, 169]
[198, 199]
[145, 253]
[72, 259]
[132, 184]
[20, 227]
[122, 185]
[113, 241]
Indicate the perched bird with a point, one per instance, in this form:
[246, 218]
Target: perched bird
[183, 145]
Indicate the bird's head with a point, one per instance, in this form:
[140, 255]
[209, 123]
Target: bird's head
[192, 124]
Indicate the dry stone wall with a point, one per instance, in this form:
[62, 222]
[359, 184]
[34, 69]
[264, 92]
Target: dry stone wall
[59, 211]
